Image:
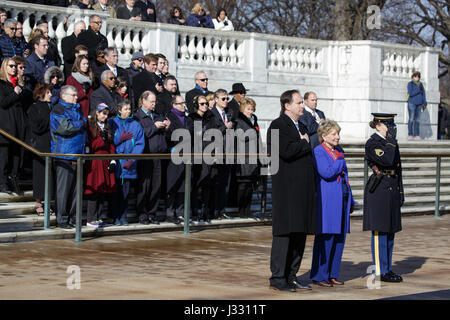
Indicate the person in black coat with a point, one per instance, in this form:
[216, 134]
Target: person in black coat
[68, 45]
[10, 108]
[247, 174]
[383, 194]
[106, 94]
[164, 100]
[176, 172]
[293, 193]
[39, 124]
[124, 12]
[92, 38]
[149, 171]
[148, 10]
[201, 173]
[147, 79]
[201, 88]
[221, 172]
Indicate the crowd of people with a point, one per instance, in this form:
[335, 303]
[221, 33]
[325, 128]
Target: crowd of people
[144, 10]
[86, 103]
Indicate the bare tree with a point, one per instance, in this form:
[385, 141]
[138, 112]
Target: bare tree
[351, 17]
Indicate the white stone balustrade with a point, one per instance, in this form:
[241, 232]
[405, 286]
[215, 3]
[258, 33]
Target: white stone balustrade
[351, 78]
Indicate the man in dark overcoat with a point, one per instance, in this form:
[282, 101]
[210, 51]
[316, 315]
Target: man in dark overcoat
[149, 171]
[383, 194]
[293, 194]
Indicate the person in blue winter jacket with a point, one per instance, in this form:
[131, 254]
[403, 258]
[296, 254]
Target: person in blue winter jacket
[68, 135]
[129, 138]
[416, 100]
[199, 18]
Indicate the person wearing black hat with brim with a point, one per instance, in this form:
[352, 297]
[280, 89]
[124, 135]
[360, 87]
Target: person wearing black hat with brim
[383, 194]
[238, 91]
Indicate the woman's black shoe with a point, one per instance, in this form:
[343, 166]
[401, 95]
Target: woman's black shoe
[14, 183]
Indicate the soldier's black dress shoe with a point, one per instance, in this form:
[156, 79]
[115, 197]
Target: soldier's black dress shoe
[298, 285]
[288, 288]
[391, 277]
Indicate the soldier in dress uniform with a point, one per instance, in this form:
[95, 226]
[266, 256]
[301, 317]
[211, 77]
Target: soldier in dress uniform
[383, 193]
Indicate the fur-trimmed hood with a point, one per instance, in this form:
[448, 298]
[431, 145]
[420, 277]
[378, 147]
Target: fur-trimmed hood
[54, 71]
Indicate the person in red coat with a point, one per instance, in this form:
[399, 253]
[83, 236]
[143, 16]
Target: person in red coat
[99, 174]
[82, 78]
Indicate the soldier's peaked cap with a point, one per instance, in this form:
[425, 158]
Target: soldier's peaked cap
[384, 117]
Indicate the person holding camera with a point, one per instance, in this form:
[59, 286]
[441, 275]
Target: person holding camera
[383, 194]
[221, 22]
[199, 18]
[100, 180]
[417, 103]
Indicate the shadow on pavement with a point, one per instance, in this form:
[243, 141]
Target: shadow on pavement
[432, 295]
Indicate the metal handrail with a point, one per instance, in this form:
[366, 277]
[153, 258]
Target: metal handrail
[438, 153]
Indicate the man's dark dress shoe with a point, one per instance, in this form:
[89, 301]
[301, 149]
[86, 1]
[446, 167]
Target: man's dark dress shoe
[298, 285]
[283, 288]
[336, 282]
[323, 283]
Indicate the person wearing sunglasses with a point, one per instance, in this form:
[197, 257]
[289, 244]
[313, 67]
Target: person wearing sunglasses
[106, 93]
[92, 38]
[221, 173]
[8, 46]
[10, 105]
[201, 88]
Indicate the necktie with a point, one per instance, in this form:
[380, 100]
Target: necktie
[223, 116]
[298, 128]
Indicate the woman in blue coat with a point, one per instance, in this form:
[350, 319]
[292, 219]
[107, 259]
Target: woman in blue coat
[416, 101]
[199, 18]
[334, 205]
[128, 139]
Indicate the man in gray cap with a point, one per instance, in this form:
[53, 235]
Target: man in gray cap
[137, 61]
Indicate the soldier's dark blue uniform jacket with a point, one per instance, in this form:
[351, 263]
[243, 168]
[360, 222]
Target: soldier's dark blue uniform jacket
[382, 206]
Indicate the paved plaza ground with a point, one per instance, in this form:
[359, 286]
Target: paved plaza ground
[230, 264]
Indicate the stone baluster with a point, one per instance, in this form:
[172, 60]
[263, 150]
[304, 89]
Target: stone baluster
[224, 52]
[51, 31]
[313, 59]
[391, 64]
[307, 58]
[293, 59]
[127, 44]
[145, 42]
[26, 24]
[240, 52]
[191, 49]
[272, 56]
[118, 42]
[136, 43]
[398, 64]
[110, 35]
[209, 58]
[300, 58]
[410, 64]
[216, 50]
[200, 50]
[280, 55]
[60, 33]
[405, 65]
[184, 55]
[232, 53]
[287, 57]
[320, 59]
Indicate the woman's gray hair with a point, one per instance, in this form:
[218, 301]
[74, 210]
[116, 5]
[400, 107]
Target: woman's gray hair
[325, 128]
